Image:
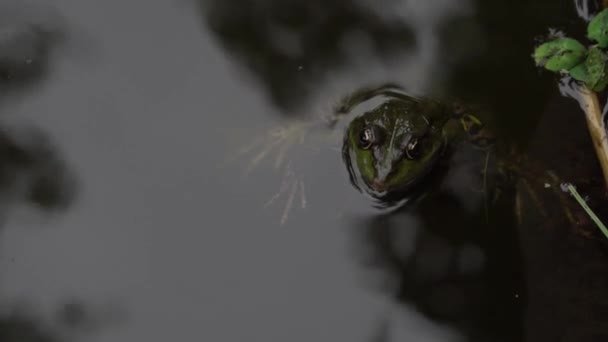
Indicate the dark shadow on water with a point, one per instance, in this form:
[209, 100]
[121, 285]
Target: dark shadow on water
[22, 327]
[32, 170]
[566, 264]
[33, 173]
[453, 268]
[498, 72]
[25, 54]
[29, 43]
[72, 321]
[291, 45]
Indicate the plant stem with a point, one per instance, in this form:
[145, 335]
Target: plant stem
[590, 212]
[597, 129]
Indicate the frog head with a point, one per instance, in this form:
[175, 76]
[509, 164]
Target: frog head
[391, 148]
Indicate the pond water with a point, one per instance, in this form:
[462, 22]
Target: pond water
[151, 227]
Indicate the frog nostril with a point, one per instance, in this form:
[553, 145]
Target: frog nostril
[378, 185]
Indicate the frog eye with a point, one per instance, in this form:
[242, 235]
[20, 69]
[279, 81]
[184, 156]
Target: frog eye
[412, 149]
[368, 137]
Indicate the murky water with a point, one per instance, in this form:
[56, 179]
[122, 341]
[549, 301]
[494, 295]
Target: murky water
[129, 214]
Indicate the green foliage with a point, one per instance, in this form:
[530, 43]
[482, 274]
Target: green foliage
[593, 71]
[560, 54]
[598, 29]
[567, 55]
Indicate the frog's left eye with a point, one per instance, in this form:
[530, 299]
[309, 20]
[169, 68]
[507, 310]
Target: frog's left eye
[368, 137]
[412, 149]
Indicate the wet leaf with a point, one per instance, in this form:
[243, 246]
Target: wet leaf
[598, 28]
[597, 69]
[560, 54]
[580, 73]
[594, 71]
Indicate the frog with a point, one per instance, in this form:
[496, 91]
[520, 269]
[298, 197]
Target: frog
[395, 145]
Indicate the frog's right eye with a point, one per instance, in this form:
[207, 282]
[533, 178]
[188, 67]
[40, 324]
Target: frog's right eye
[368, 137]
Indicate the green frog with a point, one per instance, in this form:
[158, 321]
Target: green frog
[393, 147]
[398, 147]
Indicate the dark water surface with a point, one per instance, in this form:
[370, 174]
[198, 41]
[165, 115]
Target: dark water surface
[126, 216]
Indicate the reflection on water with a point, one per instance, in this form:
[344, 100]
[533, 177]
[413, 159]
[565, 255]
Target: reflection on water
[74, 321]
[477, 256]
[28, 40]
[33, 172]
[19, 327]
[460, 261]
[288, 44]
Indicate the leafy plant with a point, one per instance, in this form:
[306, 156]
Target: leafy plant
[560, 54]
[570, 57]
[588, 65]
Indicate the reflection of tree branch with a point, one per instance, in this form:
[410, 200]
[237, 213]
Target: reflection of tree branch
[25, 53]
[288, 44]
[17, 327]
[31, 168]
[73, 320]
[452, 268]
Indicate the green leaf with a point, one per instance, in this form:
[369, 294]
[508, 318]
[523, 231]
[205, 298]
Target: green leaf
[598, 28]
[596, 67]
[580, 73]
[560, 54]
[594, 71]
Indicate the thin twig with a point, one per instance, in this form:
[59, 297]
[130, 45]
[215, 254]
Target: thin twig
[590, 212]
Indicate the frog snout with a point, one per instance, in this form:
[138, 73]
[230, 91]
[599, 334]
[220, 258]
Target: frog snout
[378, 185]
